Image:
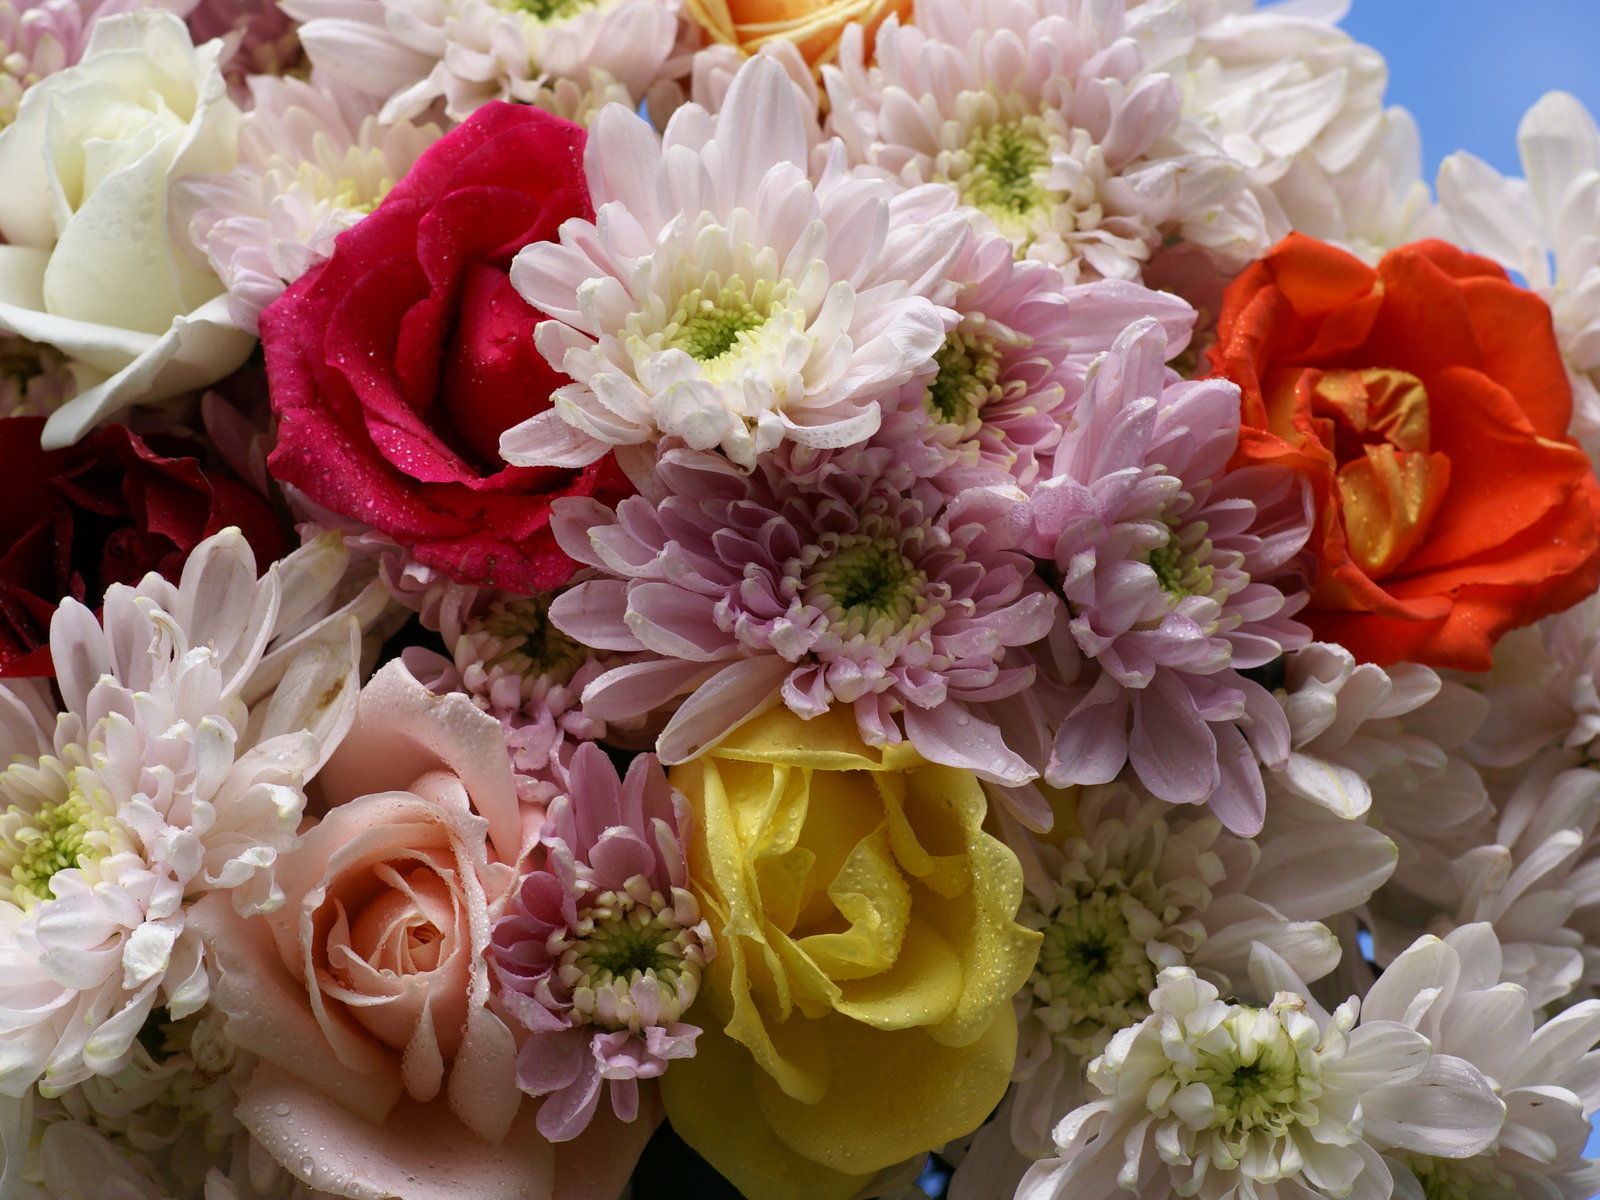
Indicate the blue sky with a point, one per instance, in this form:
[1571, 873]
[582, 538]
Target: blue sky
[1469, 69]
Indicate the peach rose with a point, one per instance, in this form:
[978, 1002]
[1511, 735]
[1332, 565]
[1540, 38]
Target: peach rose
[366, 995]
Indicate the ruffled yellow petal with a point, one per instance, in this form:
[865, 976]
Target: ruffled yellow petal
[868, 951]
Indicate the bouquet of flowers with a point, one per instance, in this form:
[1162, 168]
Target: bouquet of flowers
[989, 591]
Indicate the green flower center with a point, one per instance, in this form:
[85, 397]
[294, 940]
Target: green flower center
[547, 11]
[1093, 975]
[620, 939]
[867, 578]
[713, 321]
[967, 378]
[533, 646]
[1183, 568]
[1006, 162]
[1461, 1178]
[621, 947]
[34, 846]
[1254, 1077]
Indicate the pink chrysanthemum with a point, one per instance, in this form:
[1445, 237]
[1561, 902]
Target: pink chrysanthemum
[511, 662]
[751, 591]
[724, 297]
[40, 37]
[600, 950]
[1011, 368]
[1165, 559]
[313, 160]
[1042, 115]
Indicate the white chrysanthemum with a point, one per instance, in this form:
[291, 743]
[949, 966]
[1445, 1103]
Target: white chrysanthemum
[1224, 1100]
[1138, 885]
[411, 53]
[1548, 1074]
[193, 713]
[1043, 115]
[723, 297]
[1299, 105]
[313, 160]
[1544, 691]
[1544, 227]
[1534, 883]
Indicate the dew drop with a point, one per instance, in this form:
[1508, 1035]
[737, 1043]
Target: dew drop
[282, 1109]
[307, 1164]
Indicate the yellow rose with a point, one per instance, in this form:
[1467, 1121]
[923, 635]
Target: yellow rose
[814, 26]
[858, 1010]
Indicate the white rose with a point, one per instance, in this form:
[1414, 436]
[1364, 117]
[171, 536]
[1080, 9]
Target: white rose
[92, 266]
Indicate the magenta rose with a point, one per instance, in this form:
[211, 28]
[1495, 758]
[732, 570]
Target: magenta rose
[396, 364]
[108, 510]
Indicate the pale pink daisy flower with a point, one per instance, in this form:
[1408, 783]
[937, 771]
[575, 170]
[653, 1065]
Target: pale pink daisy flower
[724, 297]
[600, 950]
[749, 591]
[1008, 373]
[409, 54]
[40, 37]
[1167, 562]
[313, 160]
[514, 664]
[190, 720]
[1042, 115]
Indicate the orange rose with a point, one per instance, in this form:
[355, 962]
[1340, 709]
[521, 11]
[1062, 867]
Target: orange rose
[814, 26]
[1426, 403]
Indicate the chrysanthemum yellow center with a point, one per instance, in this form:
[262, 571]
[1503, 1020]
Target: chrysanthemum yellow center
[1186, 564]
[548, 11]
[709, 322]
[34, 846]
[533, 646]
[1007, 161]
[866, 578]
[967, 379]
[1091, 967]
[1254, 1074]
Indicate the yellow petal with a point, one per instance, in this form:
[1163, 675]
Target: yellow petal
[712, 1103]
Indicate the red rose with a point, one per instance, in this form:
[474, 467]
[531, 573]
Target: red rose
[107, 510]
[1427, 405]
[395, 365]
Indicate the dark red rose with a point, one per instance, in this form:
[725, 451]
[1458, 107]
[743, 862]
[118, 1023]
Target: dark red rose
[108, 510]
[396, 364]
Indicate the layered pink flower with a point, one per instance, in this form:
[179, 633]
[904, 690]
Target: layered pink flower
[1010, 368]
[366, 995]
[1171, 567]
[40, 37]
[599, 953]
[748, 591]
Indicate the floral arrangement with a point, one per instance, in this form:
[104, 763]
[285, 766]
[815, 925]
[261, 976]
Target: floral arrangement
[598, 596]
